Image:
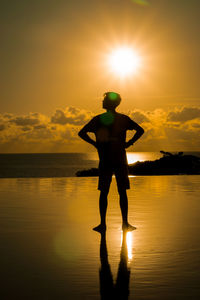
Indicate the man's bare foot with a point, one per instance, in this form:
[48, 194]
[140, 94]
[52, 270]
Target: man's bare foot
[100, 228]
[128, 227]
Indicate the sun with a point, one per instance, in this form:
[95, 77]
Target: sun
[124, 61]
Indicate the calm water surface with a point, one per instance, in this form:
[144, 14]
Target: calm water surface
[49, 251]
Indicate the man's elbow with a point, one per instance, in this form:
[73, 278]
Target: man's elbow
[81, 133]
[141, 131]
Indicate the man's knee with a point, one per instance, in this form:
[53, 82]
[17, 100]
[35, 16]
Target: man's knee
[122, 192]
[104, 193]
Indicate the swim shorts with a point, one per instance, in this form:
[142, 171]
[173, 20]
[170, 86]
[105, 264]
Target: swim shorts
[121, 175]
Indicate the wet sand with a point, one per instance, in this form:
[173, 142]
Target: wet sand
[49, 251]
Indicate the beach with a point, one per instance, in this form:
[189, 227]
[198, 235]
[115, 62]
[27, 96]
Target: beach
[48, 249]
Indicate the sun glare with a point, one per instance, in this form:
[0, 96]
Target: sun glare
[124, 61]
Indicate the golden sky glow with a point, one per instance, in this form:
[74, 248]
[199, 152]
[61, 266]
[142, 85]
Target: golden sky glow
[65, 56]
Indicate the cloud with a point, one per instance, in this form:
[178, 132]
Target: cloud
[139, 116]
[24, 121]
[41, 126]
[196, 125]
[2, 127]
[59, 118]
[177, 129]
[184, 114]
[70, 115]
[7, 116]
[26, 128]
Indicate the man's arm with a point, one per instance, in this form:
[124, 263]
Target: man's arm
[137, 135]
[83, 133]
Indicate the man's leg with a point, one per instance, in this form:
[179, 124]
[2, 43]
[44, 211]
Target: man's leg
[123, 200]
[105, 178]
[103, 203]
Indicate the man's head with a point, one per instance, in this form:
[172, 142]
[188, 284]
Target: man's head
[111, 100]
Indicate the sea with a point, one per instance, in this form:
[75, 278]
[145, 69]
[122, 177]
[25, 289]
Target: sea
[24, 165]
[48, 250]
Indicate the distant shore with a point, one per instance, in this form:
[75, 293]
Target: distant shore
[169, 164]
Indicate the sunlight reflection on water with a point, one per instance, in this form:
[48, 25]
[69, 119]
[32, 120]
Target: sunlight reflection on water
[129, 241]
[129, 244]
[48, 223]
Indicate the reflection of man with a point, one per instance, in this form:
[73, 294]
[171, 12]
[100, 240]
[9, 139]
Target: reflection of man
[110, 131]
[109, 290]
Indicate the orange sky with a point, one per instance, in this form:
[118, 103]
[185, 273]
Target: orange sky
[53, 56]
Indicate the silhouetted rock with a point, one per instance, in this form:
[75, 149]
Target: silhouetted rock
[89, 172]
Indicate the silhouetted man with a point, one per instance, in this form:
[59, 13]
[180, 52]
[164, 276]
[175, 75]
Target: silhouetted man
[110, 131]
